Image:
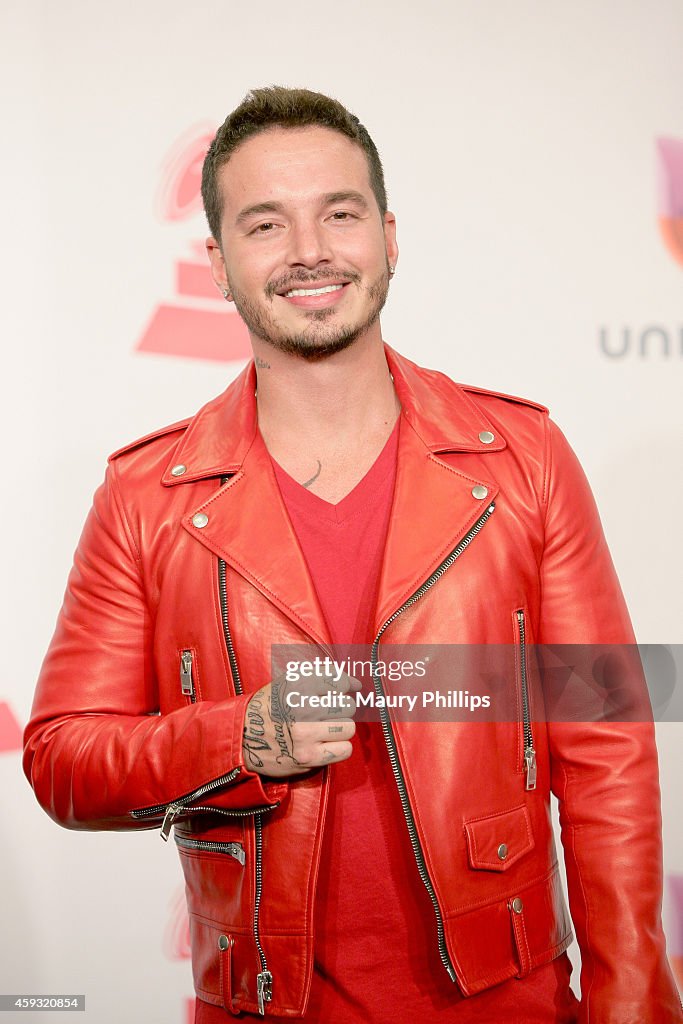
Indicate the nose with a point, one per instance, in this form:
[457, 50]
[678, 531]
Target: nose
[309, 244]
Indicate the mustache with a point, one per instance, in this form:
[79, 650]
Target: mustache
[327, 276]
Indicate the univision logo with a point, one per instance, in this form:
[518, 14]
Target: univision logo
[670, 194]
[650, 342]
[657, 341]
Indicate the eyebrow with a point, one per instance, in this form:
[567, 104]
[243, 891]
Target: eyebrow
[326, 200]
[345, 197]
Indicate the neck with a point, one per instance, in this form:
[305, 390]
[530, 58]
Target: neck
[334, 401]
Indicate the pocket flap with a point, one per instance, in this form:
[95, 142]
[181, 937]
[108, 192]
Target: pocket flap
[495, 841]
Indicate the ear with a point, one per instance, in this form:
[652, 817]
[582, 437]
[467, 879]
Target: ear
[217, 262]
[390, 238]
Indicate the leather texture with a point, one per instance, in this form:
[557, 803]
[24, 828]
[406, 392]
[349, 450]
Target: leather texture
[111, 731]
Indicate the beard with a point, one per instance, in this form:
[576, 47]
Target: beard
[319, 338]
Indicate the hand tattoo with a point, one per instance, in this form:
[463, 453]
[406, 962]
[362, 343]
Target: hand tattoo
[254, 732]
[282, 717]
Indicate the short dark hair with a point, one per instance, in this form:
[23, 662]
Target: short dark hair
[277, 106]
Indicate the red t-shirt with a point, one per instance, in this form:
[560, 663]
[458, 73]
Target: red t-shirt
[376, 954]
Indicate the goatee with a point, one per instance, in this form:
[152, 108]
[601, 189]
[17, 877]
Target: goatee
[314, 342]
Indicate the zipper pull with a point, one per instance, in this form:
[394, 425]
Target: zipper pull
[186, 682]
[172, 812]
[530, 761]
[264, 990]
[236, 850]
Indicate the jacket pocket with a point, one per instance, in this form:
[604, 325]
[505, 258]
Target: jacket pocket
[218, 865]
[509, 936]
[219, 960]
[497, 841]
[234, 850]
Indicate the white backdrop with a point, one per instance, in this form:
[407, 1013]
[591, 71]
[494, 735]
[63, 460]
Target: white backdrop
[540, 220]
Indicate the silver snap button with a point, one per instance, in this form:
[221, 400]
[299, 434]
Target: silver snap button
[179, 470]
[486, 437]
[200, 519]
[479, 491]
[502, 851]
[223, 941]
[517, 905]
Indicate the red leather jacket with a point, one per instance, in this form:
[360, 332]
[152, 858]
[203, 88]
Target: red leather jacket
[181, 582]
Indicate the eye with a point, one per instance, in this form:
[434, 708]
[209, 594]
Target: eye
[341, 215]
[263, 229]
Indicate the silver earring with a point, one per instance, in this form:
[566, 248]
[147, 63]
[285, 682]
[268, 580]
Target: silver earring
[392, 270]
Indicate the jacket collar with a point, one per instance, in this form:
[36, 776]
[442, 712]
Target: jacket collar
[434, 504]
[440, 411]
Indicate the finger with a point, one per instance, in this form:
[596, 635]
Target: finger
[309, 734]
[344, 706]
[337, 750]
[348, 684]
[343, 729]
[313, 745]
[342, 682]
[336, 706]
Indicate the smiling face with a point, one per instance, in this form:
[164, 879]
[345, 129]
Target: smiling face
[304, 250]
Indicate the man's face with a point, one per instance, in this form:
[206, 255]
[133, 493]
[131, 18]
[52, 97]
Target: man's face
[299, 215]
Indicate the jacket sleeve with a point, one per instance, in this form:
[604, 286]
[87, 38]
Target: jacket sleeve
[604, 772]
[96, 750]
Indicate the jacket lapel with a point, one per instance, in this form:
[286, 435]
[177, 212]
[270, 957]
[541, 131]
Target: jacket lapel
[434, 505]
[249, 527]
[245, 521]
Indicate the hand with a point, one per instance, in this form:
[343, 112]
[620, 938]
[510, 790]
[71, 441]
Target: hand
[287, 732]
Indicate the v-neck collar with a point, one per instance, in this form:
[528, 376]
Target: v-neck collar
[309, 503]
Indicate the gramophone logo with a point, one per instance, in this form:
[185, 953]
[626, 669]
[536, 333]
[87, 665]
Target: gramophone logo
[10, 731]
[177, 933]
[196, 323]
[176, 943]
[670, 188]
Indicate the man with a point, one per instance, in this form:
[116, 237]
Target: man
[337, 493]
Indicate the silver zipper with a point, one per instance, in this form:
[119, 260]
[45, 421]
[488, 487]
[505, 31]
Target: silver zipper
[529, 751]
[264, 979]
[235, 850]
[186, 680]
[247, 812]
[173, 809]
[391, 742]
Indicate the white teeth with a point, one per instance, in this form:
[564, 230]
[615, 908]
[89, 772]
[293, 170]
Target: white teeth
[314, 291]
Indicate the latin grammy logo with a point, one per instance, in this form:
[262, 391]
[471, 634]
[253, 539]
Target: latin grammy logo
[196, 323]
